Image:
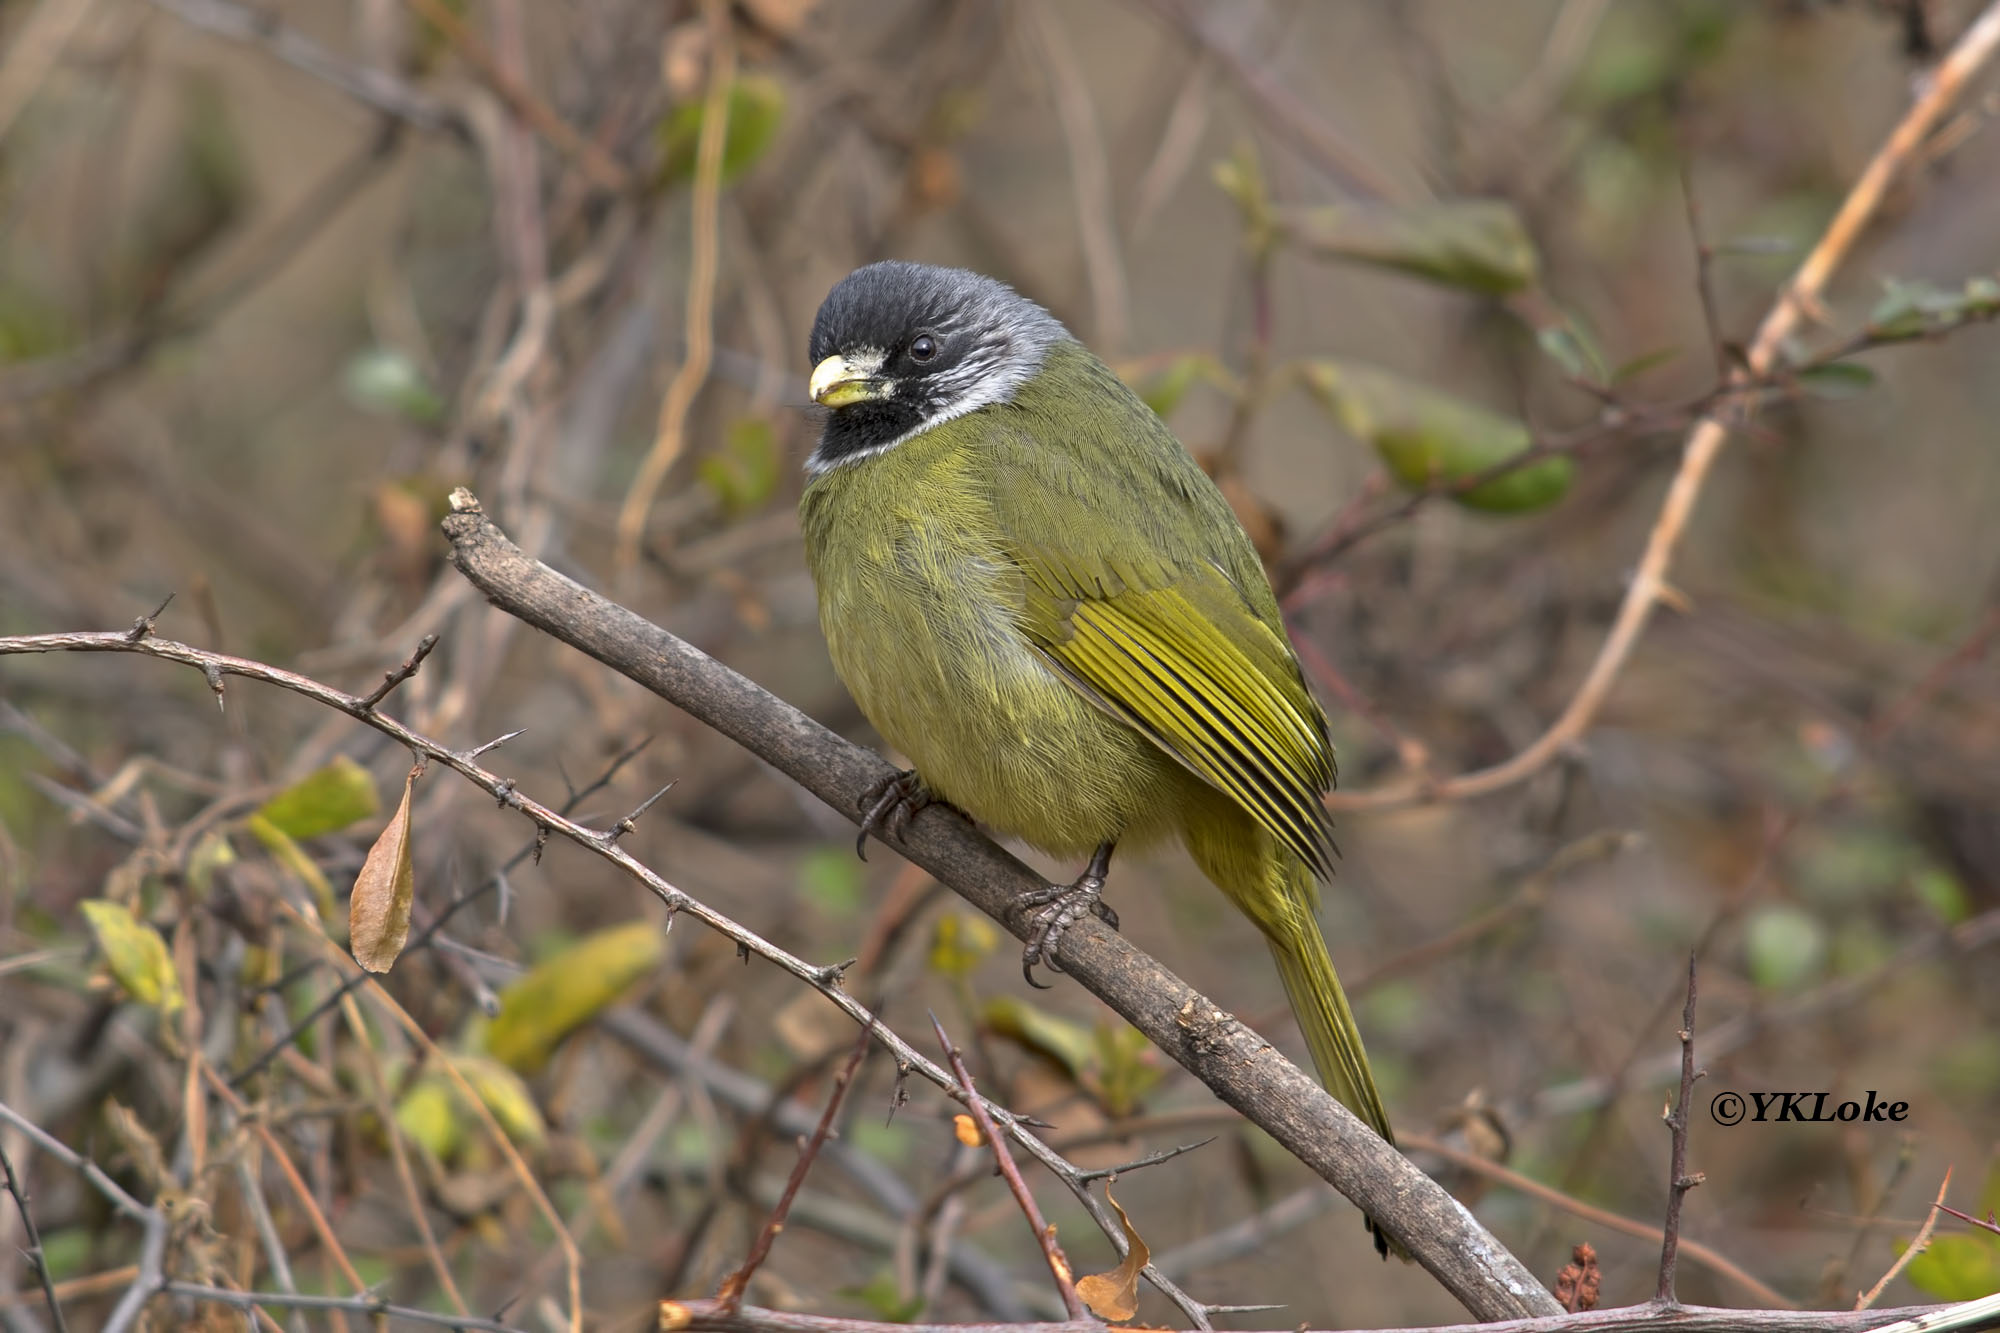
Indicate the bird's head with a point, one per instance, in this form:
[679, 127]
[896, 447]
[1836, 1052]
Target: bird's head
[899, 347]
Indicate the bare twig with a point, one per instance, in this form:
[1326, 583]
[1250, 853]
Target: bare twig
[1090, 178]
[372, 1306]
[835, 762]
[670, 434]
[1301, 127]
[34, 1252]
[1679, 1182]
[34, 51]
[1758, 1289]
[1704, 444]
[372, 87]
[1915, 1247]
[603, 170]
[1045, 1235]
[708, 1317]
[730, 1294]
[391, 679]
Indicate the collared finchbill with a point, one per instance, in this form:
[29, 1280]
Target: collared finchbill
[837, 382]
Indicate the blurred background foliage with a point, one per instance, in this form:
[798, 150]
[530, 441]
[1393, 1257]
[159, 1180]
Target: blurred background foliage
[277, 275]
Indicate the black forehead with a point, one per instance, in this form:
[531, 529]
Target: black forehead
[883, 304]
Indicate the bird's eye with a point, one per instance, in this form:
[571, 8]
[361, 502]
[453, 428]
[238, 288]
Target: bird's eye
[923, 347]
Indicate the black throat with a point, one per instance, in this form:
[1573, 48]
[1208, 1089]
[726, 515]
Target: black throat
[859, 427]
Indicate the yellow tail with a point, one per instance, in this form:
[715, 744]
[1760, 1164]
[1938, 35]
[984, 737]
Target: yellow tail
[1276, 890]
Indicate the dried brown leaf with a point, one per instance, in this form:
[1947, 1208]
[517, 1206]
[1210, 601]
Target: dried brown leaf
[1115, 1295]
[378, 914]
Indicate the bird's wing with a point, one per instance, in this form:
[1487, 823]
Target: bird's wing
[1140, 588]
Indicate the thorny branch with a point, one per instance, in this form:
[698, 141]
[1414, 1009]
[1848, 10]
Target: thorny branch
[1045, 1235]
[1679, 1182]
[1235, 1063]
[605, 844]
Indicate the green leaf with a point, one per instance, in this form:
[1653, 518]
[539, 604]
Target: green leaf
[325, 801]
[1837, 379]
[882, 1295]
[387, 382]
[1639, 365]
[744, 473]
[1241, 177]
[67, 1253]
[830, 879]
[1959, 1266]
[1125, 1069]
[1478, 245]
[1918, 309]
[1164, 390]
[756, 110]
[1070, 1045]
[1426, 438]
[211, 853]
[1571, 345]
[136, 954]
[540, 1008]
[1785, 946]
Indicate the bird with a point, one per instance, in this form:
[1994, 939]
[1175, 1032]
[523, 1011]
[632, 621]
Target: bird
[1036, 595]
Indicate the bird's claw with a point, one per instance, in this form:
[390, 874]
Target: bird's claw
[1061, 906]
[889, 806]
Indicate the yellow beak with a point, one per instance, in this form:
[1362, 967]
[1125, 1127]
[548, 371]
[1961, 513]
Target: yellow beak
[835, 383]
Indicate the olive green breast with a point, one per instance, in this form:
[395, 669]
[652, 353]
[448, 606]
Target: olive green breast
[921, 604]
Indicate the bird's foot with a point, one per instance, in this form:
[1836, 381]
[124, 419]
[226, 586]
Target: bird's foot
[1060, 907]
[890, 805]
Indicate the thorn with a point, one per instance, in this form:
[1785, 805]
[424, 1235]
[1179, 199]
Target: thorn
[496, 743]
[143, 626]
[631, 821]
[214, 676]
[899, 1092]
[1671, 596]
[391, 679]
[542, 832]
[834, 973]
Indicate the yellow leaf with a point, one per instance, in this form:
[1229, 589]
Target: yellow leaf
[136, 954]
[428, 1115]
[541, 1008]
[967, 1130]
[378, 914]
[324, 801]
[1115, 1295]
[961, 941]
[210, 854]
[505, 1095]
[293, 858]
[1065, 1043]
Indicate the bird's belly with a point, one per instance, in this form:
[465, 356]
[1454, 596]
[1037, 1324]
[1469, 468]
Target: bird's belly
[931, 652]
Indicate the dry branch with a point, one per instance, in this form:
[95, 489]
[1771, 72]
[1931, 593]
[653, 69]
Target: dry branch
[1237, 1065]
